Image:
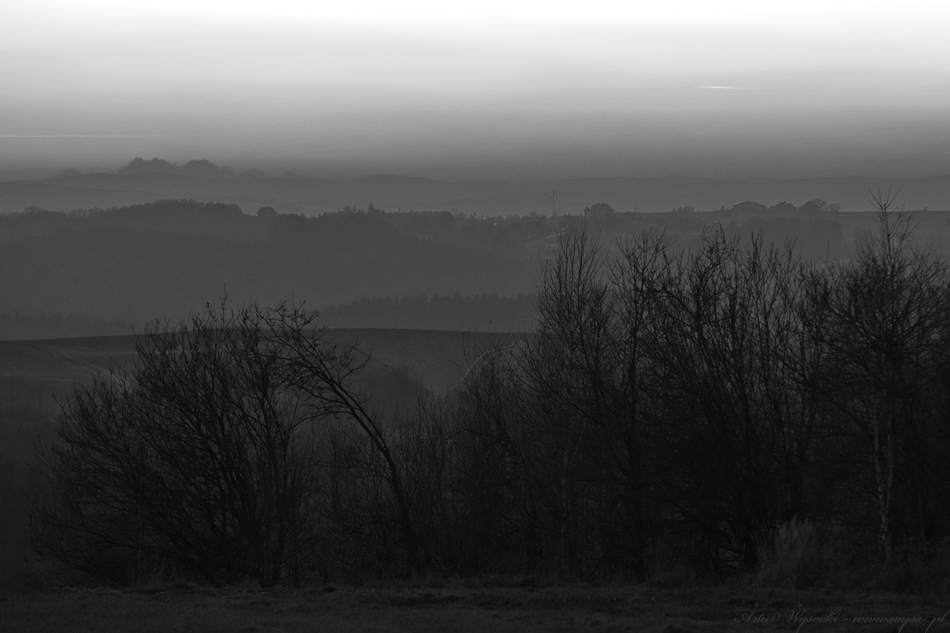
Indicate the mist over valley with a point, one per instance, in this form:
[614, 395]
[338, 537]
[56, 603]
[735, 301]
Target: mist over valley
[450, 255]
[497, 315]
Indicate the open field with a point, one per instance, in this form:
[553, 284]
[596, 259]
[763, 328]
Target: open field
[462, 606]
[436, 355]
[34, 374]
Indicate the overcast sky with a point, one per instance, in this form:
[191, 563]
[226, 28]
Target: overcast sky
[506, 89]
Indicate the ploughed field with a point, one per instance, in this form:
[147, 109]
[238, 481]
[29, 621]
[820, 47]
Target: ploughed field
[468, 606]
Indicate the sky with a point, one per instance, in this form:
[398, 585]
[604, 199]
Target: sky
[510, 90]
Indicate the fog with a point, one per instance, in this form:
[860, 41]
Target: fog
[499, 91]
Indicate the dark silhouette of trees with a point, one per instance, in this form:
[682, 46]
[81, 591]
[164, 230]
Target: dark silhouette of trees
[701, 408]
[689, 407]
[663, 400]
[322, 374]
[881, 321]
[733, 422]
[206, 458]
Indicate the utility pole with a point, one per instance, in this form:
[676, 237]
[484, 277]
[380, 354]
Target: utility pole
[553, 203]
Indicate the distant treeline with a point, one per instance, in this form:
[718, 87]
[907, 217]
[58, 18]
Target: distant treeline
[143, 181]
[484, 312]
[168, 258]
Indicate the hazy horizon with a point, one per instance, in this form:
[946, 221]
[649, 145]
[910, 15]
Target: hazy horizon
[510, 92]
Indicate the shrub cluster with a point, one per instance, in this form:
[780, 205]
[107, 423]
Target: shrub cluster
[724, 410]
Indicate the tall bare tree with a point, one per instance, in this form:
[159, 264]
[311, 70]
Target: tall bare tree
[883, 320]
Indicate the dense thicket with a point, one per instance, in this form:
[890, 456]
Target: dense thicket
[209, 457]
[719, 408]
[687, 408]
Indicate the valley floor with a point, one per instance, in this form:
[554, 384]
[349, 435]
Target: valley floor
[459, 606]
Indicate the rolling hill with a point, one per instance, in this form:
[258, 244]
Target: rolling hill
[144, 181]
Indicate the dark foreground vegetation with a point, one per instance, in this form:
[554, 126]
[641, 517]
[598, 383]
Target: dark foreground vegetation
[470, 605]
[730, 412]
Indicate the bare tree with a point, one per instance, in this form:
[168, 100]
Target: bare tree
[883, 320]
[200, 459]
[324, 374]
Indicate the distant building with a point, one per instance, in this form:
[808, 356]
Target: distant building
[267, 213]
[598, 211]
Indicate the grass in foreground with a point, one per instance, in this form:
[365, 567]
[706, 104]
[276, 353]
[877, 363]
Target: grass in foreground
[437, 606]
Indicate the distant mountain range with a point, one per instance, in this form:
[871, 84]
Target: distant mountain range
[143, 181]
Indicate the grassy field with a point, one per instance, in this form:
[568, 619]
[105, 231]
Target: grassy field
[461, 606]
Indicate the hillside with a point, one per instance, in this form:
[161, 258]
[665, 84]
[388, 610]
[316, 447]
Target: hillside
[147, 262]
[437, 360]
[99, 272]
[146, 180]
